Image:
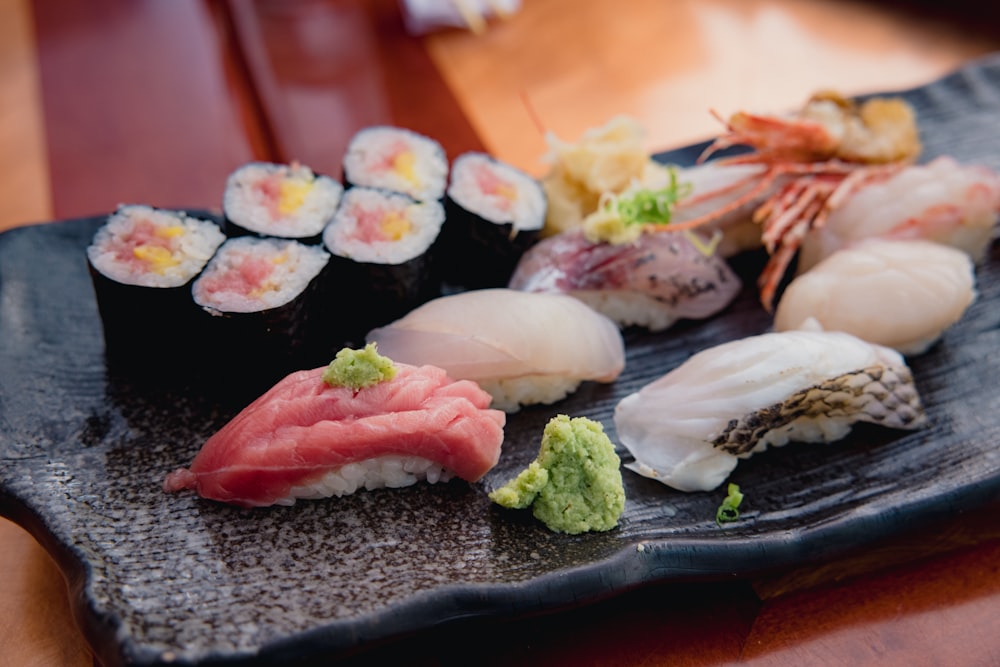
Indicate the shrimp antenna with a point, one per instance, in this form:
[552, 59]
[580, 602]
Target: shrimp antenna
[535, 119]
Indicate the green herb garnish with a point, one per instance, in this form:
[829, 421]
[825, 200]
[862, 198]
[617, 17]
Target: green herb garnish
[729, 509]
[620, 218]
[653, 207]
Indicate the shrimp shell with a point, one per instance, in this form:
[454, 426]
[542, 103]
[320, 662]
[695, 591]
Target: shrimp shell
[829, 126]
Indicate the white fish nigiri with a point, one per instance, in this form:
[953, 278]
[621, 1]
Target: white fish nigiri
[902, 294]
[521, 347]
[652, 282]
[689, 428]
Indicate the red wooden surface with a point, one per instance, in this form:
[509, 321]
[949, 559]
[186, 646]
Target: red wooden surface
[324, 70]
[156, 101]
[141, 104]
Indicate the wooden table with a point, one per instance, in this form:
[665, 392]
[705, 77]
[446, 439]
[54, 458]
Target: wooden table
[113, 101]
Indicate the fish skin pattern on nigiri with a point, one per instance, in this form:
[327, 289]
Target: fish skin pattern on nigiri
[521, 347]
[286, 443]
[652, 282]
[689, 428]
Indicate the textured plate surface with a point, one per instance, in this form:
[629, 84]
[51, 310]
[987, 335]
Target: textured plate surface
[161, 578]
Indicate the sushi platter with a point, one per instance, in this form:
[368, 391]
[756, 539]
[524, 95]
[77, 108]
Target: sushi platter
[163, 578]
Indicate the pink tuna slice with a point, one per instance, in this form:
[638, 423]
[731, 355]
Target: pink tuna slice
[302, 428]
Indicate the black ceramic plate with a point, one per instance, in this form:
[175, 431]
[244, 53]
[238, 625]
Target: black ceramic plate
[161, 578]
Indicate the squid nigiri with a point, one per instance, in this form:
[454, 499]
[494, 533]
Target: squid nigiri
[521, 347]
[652, 282]
[689, 428]
[902, 294]
[317, 436]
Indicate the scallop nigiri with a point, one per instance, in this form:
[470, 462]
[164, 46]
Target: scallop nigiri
[521, 347]
[689, 428]
[316, 434]
[902, 294]
[651, 282]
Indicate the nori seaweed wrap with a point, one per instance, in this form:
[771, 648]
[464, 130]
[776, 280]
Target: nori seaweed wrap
[258, 299]
[383, 263]
[142, 262]
[494, 213]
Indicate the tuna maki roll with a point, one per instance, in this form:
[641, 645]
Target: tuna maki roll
[282, 200]
[257, 297]
[142, 261]
[397, 159]
[495, 212]
[383, 262]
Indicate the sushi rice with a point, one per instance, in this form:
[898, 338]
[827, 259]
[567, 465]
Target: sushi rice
[383, 227]
[509, 394]
[251, 274]
[390, 472]
[287, 201]
[397, 159]
[149, 247]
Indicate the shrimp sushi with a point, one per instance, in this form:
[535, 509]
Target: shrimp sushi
[902, 294]
[653, 282]
[690, 428]
[941, 201]
[521, 347]
[317, 433]
[282, 200]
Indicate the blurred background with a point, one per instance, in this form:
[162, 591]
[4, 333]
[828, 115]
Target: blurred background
[155, 101]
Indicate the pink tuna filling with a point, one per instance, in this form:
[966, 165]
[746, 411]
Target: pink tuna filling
[378, 223]
[142, 234]
[246, 277]
[386, 161]
[269, 188]
[491, 185]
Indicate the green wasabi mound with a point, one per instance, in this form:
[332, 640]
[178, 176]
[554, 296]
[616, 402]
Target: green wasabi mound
[358, 369]
[575, 484]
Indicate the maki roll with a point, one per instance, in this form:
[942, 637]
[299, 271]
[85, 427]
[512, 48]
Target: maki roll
[257, 296]
[397, 159]
[142, 261]
[383, 262]
[282, 200]
[495, 212]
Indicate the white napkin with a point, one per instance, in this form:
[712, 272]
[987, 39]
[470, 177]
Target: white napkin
[424, 16]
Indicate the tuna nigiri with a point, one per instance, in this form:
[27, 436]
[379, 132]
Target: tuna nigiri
[690, 428]
[652, 282]
[306, 438]
[521, 347]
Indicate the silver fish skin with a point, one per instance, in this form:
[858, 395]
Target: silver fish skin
[653, 282]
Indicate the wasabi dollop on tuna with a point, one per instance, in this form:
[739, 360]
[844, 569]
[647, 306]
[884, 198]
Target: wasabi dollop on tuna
[358, 369]
[575, 484]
